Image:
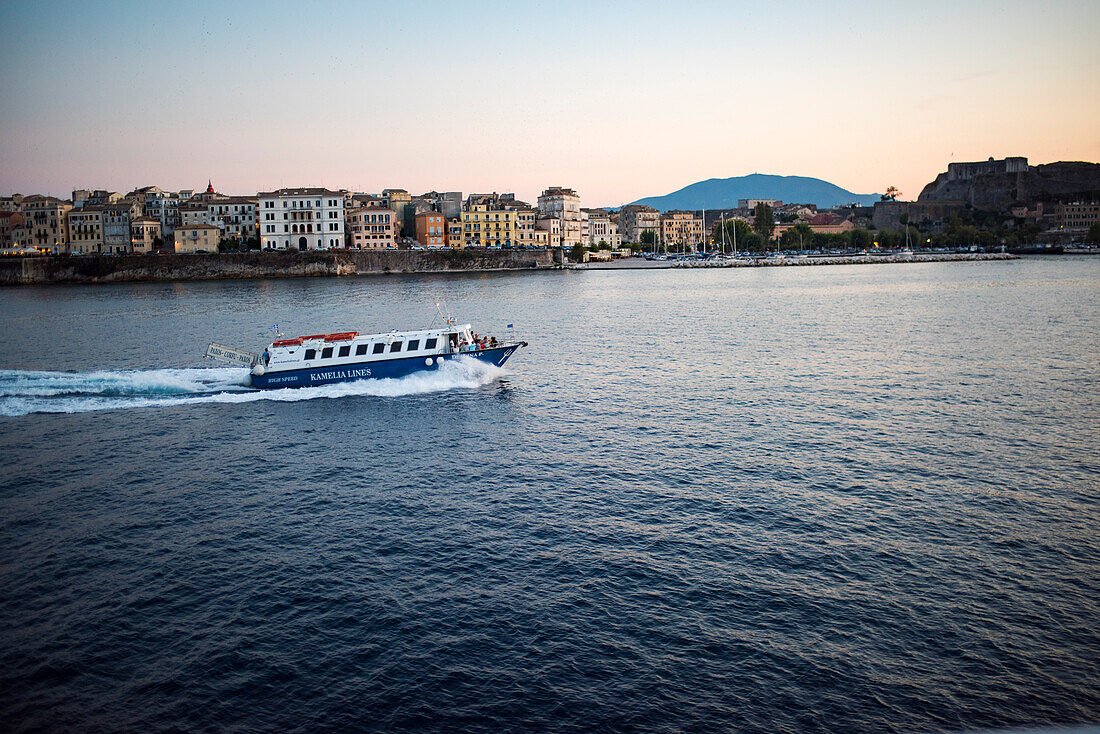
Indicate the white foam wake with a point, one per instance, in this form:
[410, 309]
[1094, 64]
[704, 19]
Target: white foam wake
[23, 391]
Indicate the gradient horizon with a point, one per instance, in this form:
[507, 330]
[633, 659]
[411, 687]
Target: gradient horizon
[617, 101]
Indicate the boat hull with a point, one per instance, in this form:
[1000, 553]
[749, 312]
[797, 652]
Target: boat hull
[375, 370]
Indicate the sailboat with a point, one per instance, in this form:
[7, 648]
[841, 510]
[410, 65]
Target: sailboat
[908, 251]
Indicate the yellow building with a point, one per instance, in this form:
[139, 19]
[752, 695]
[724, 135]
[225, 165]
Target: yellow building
[454, 234]
[144, 233]
[86, 230]
[485, 225]
[198, 238]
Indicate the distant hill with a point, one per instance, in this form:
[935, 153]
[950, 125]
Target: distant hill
[723, 193]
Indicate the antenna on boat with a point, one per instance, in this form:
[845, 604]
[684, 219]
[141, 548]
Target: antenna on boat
[446, 319]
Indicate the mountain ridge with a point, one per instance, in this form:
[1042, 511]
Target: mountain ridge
[723, 193]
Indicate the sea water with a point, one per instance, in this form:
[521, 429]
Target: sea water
[788, 499]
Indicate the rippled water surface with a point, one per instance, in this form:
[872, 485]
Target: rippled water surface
[793, 499]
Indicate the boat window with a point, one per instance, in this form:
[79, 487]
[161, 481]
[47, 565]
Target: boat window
[344, 351]
[430, 344]
[326, 352]
[360, 350]
[413, 345]
[395, 347]
[311, 353]
[379, 348]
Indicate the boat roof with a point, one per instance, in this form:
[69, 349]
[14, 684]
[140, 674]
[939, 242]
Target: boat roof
[355, 336]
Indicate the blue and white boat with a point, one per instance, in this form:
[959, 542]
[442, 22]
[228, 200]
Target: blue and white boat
[322, 359]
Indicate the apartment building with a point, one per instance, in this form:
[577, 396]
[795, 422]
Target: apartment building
[301, 219]
[397, 199]
[485, 223]
[86, 230]
[525, 226]
[1079, 215]
[144, 233]
[45, 224]
[372, 228]
[634, 219]
[455, 240]
[563, 204]
[117, 218]
[431, 229]
[681, 229]
[190, 238]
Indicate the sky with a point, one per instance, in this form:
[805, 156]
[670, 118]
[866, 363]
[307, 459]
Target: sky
[616, 100]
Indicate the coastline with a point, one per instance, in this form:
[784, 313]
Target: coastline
[98, 269]
[635, 264]
[93, 269]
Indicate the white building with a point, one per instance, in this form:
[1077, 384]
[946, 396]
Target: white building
[564, 205]
[602, 230]
[301, 219]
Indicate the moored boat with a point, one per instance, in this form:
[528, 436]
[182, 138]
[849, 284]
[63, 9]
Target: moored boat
[322, 359]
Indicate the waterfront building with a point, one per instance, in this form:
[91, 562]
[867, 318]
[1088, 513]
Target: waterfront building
[455, 239]
[397, 199]
[634, 219]
[234, 215]
[11, 203]
[86, 230]
[681, 229]
[601, 230]
[372, 228]
[101, 197]
[45, 224]
[565, 205]
[526, 217]
[190, 238]
[117, 218]
[301, 219]
[550, 227]
[486, 223]
[1079, 215]
[144, 233]
[449, 203]
[9, 220]
[431, 230]
[162, 206]
[193, 212]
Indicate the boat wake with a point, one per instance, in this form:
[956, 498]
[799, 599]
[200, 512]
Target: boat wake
[23, 392]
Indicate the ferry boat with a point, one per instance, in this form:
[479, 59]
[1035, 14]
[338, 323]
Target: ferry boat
[322, 359]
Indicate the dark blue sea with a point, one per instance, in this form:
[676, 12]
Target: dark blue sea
[830, 499]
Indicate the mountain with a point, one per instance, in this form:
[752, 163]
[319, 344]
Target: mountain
[723, 193]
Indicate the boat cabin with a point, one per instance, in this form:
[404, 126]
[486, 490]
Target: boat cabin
[349, 347]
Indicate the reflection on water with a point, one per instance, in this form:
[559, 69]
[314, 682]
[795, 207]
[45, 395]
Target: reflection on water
[793, 499]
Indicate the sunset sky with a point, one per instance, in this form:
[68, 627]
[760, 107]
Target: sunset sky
[617, 100]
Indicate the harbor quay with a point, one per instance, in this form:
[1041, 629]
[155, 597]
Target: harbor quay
[50, 270]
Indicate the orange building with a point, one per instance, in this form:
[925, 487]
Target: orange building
[431, 229]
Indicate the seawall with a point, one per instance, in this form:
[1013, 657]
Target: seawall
[277, 264]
